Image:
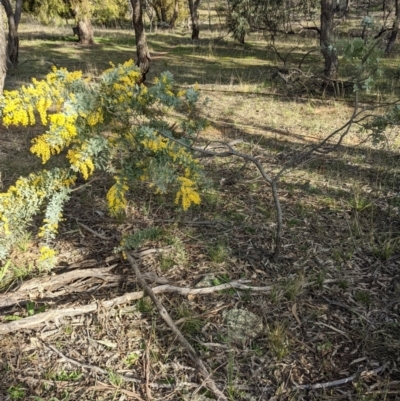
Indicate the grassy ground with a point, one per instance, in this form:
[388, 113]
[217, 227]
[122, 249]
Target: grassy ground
[333, 311]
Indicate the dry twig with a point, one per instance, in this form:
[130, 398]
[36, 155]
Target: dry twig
[336, 383]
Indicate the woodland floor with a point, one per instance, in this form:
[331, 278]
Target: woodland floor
[331, 307]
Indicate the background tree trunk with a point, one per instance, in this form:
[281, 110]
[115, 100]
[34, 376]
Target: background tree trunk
[327, 48]
[395, 30]
[193, 6]
[17, 13]
[163, 10]
[3, 54]
[85, 32]
[175, 15]
[158, 15]
[142, 51]
[13, 21]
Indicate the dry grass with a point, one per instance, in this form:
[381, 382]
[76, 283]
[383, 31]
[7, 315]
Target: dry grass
[334, 308]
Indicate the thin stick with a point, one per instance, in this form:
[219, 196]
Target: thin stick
[336, 383]
[209, 382]
[73, 361]
[95, 233]
[85, 365]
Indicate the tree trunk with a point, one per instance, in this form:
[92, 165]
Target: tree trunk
[3, 55]
[193, 6]
[17, 13]
[327, 48]
[395, 30]
[158, 15]
[13, 39]
[175, 15]
[142, 51]
[163, 10]
[85, 32]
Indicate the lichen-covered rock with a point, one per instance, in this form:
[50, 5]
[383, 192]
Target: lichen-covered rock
[242, 324]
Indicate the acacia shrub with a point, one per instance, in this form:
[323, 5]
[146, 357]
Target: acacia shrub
[110, 124]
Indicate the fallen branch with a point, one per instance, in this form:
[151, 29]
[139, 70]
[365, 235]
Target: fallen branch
[57, 314]
[208, 381]
[37, 287]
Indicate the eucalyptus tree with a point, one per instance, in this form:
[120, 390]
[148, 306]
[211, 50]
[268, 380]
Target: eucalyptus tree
[13, 18]
[175, 14]
[194, 15]
[3, 54]
[82, 10]
[273, 16]
[142, 51]
[47, 11]
[166, 11]
[395, 28]
[244, 16]
[328, 49]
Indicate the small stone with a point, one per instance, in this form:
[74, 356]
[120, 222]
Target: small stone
[242, 324]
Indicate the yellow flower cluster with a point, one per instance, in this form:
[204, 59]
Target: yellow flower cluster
[48, 228]
[127, 76]
[63, 73]
[81, 163]
[20, 186]
[143, 95]
[42, 148]
[62, 131]
[156, 144]
[168, 87]
[116, 197]
[187, 194]
[64, 126]
[40, 95]
[6, 227]
[176, 153]
[46, 254]
[42, 105]
[15, 111]
[92, 122]
[68, 182]
[95, 117]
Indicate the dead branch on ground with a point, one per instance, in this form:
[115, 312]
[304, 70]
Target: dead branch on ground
[58, 314]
